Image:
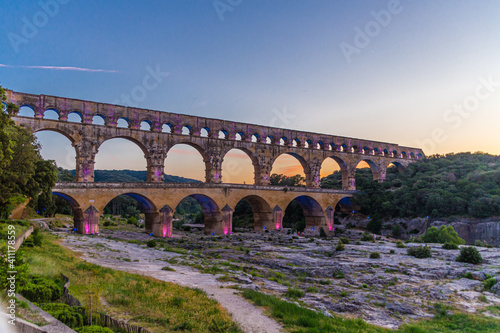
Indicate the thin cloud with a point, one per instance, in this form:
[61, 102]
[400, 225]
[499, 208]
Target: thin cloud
[62, 68]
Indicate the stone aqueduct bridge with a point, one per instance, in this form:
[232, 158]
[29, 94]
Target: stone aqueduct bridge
[213, 138]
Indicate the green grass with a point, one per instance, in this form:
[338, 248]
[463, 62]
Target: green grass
[144, 301]
[297, 319]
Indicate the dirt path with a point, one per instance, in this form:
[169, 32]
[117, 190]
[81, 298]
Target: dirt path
[106, 253]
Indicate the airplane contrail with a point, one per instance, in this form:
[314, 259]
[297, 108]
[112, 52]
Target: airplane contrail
[62, 68]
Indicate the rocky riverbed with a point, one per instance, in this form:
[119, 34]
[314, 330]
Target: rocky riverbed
[387, 291]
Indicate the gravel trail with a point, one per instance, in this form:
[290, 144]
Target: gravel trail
[106, 253]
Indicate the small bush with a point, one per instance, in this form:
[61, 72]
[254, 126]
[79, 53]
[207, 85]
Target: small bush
[420, 252]
[400, 245]
[392, 251]
[450, 246]
[488, 283]
[151, 243]
[294, 293]
[37, 237]
[367, 237]
[338, 274]
[340, 246]
[312, 290]
[469, 276]
[106, 224]
[481, 243]
[470, 254]
[345, 240]
[343, 293]
[375, 255]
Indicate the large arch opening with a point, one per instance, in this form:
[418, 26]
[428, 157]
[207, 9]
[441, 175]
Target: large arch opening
[291, 170]
[188, 162]
[188, 211]
[333, 173]
[59, 148]
[366, 172]
[66, 206]
[120, 160]
[129, 212]
[252, 213]
[238, 167]
[304, 213]
[210, 214]
[344, 209]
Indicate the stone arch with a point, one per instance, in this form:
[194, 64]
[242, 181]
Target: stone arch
[70, 160]
[302, 161]
[211, 213]
[123, 122]
[57, 130]
[47, 114]
[203, 153]
[24, 109]
[78, 113]
[262, 211]
[139, 143]
[254, 160]
[75, 205]
[98, 118]
[373, 166]
[342, 165]
[166, 128]
[313, 213]
[401, 168]
[146, 125]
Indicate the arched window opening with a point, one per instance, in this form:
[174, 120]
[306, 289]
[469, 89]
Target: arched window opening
[331, 146]
[166, 128]
[269, 140]
[237, 168]
[319, 145]
[255, 138]
[283, 141]
[145, 125]
[26, 111]
[204, 132]
[75, 117]
[222, 134]
[98, 120]
[63, 153]
[123, 123]
[185, 161]
[51, 114]
[238, 136]
[295, 143]
[307, 143]
[186, 130]
[366, 172]
[120, 160]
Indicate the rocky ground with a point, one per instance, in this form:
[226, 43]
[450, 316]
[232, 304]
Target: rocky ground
[388, 291]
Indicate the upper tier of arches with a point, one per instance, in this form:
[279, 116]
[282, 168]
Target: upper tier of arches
[172, 123]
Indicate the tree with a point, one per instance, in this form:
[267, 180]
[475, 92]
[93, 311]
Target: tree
[282, 180]
[23, 173]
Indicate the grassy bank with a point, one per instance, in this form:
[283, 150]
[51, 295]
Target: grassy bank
[298, 319]
[156, 305]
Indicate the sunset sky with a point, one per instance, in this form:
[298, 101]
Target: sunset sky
[417, 73]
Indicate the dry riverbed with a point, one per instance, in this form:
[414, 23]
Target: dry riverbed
[387, 291]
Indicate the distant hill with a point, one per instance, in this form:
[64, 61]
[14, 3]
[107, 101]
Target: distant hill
[120, 176]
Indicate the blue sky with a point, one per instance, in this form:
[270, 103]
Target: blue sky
[258, 60]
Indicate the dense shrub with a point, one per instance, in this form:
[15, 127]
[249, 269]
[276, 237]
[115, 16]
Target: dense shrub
[442, 235]
[294, 293]
[106, 224]
[41, 290]
[132, 220]
[345, 240]
[470, 254]
[399, 244]
[450, 246]
[481, 243]
[420, 252]
[396, 230]
[367, 237]
[93, 329]
[151, 243]
[490, 282]
[375, 255]
[338, 274]
[340, 246]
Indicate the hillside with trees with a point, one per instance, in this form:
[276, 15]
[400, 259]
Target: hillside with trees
[120, 176]
[451, 185]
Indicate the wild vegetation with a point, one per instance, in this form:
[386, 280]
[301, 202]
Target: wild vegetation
[23, 173]
[465, 184]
